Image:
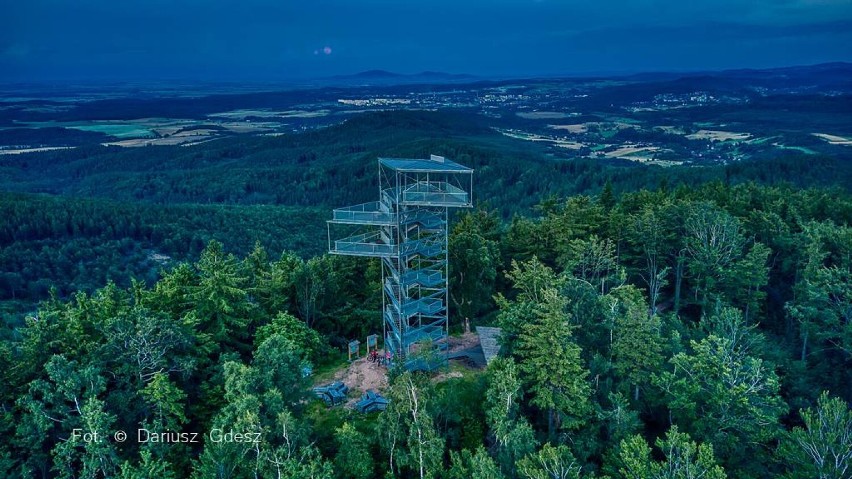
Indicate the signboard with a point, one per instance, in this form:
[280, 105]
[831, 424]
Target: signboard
[354, 348]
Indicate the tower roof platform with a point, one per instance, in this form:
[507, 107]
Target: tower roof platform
[435, 164]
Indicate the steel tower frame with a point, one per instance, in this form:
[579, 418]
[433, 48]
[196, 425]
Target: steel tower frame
[407, 229]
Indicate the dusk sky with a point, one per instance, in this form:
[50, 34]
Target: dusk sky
[44, 40]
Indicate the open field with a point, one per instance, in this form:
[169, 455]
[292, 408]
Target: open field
[718, 135]
[834, 139]
[526, 136]
[263, 113]
[578, 128]
[802, 149]
[605, 127]
[544, 115]
[674, 130]
[18, 151]
[565, 116]
[649, 161]
[167, 131]
[168, 141]
[118, 129]
[641, 154]
[570, 145]
[761, 140]
[633, 152]
[250, 127]
[122, 129]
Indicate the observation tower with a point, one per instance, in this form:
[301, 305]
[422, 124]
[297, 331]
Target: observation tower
[407, 229]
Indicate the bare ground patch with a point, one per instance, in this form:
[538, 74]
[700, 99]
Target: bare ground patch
[360, 376]
[465, 341]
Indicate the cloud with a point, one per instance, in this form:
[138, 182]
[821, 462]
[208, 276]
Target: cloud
[16, 50]
[469, 36]
[707, 32]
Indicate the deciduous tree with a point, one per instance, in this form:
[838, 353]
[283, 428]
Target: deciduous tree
[513, 436]
[823, 447]
[550, 462]
[683, 459]
[724, 395]
[353, 460]
[409, 436]
[477, 465]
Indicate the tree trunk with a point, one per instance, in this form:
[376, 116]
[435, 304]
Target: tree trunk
[678, 281]
[550, 413]
[805, 345]
[636, 393]
[653, 281]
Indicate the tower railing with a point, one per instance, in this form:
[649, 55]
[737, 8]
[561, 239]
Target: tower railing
[372, 213]
[436, 193]
[366, 244]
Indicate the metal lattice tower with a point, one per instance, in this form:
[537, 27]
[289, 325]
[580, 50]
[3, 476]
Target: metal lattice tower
[407, 229]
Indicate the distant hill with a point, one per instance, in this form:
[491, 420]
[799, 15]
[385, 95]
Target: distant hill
[833, 68]
[384, 77]
[371, 74]
[836, 74]
[826, 75]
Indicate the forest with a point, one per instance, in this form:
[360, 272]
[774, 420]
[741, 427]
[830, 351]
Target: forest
[447, 239]
[679, 329]
[76, 219]
[657, 322]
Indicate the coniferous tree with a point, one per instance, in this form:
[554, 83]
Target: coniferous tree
[474, 256]
[637, 342]
[220, 297]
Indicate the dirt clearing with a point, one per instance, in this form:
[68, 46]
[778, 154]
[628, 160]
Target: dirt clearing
[360, 376]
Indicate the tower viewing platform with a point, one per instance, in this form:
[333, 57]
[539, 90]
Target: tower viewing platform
[407, 229]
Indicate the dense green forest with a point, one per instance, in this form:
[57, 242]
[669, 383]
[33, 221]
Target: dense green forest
[336, 165]
[690, 329]
[79, 244]
[119, 213]
[657, 322]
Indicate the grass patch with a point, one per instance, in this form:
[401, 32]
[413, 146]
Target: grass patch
[325, 372]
